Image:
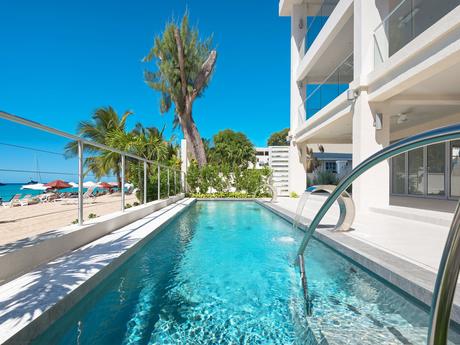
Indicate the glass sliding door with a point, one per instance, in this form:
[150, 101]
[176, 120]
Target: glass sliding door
[455, 169]
[436, 169]
[398, 174]
[416, 172]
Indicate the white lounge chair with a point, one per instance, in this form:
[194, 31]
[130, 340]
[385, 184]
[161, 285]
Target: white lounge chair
[28, 199]
[13, 202]
[88, 197]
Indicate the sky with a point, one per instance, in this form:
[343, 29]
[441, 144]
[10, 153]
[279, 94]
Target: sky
[60, 60]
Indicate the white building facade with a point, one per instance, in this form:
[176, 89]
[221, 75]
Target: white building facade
[365, 73]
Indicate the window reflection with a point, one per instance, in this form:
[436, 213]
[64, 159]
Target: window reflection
[455, 168]
[416, 172]
[436, 167]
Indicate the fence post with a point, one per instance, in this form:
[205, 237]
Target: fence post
[167, 172]
[158, 182]
[175, 188]
[122, 183]
[145, 182]
[80, 182]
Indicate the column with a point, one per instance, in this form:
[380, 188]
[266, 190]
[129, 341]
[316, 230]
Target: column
[297, 174]
[372, 188]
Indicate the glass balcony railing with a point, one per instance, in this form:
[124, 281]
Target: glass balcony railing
[316, 22]
[318, 95]
[405, 22]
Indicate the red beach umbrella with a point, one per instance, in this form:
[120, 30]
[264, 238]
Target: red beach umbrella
[105, 185]
[58, 184]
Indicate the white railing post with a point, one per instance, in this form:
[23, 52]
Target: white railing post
[122, 183]
[167, 172]
[80, 182]
[158, 182]
[175, 188]
[145, 182]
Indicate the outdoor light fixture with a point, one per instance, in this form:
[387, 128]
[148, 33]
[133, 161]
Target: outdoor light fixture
[378, 124]
[401, 118]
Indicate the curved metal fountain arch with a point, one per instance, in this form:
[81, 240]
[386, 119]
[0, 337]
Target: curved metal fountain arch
[449, 267]
[273, 189]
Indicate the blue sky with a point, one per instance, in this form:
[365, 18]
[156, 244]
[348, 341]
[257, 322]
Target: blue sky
[62, 59]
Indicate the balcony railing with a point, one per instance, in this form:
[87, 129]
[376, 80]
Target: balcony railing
[320, 95]
[405, 22]
[316, 22]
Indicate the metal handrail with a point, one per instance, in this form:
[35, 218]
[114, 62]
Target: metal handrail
[81, 142]
[39, 126]
[449, 267]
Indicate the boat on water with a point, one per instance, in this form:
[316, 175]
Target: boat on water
[32, 182]
[2, 184]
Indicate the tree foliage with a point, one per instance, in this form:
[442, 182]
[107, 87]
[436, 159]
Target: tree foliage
[184, 66]
[279, 138]
[232, 148]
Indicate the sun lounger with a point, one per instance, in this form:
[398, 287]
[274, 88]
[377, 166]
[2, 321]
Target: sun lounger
[13, 202]
[88, 197]
[28, 200]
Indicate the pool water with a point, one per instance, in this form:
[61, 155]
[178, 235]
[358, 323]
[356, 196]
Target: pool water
[223, 273]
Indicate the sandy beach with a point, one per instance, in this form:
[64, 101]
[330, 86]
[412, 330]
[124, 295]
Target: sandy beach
[26, 221]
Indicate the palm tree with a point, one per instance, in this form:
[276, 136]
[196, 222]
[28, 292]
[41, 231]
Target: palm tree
[184, 68]
[104, 121]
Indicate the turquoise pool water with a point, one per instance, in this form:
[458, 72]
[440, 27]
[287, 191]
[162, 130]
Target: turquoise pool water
[222, 273]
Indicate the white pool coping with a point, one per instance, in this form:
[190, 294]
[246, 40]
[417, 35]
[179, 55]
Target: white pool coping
[31, 302]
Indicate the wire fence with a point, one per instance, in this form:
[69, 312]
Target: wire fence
[131, 181]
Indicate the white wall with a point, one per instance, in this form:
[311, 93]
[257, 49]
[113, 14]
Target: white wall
[372, 188]
[297, 174]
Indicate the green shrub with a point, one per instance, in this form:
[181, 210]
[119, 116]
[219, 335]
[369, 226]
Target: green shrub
[128, 205]
[92, 215]
[294, 195]
[217, 195]
[75, 221]
[324, 177]
[135, 203]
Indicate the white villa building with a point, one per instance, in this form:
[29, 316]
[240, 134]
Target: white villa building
[366, 73]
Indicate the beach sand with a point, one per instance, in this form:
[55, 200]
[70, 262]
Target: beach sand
[20, 222]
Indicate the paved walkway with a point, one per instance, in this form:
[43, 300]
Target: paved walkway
[417, 236]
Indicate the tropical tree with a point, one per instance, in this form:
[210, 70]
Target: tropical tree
[184, 67]
[103, 121]
[279, 138]
[232, 148]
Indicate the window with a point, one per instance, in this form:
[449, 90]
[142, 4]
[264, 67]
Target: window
[398, 174]
[455, 168]
[432, 171]
[331, 167]
[416, 172]
[436, 169]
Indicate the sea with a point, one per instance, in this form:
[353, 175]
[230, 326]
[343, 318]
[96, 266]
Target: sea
[9, 190]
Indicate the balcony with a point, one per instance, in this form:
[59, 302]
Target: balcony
[316, 21]
[405, 22]
[319, 95]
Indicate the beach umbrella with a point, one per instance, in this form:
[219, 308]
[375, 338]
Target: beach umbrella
[89, 184]
[35, 186]
[73, 184]
[113, 184]
[105, 185]
[58, 184]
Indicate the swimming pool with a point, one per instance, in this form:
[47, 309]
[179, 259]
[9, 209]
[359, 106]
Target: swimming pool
[222, 273]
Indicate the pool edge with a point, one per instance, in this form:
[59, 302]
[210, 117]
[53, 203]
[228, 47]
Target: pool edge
[37, 326]
[406, 277]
